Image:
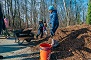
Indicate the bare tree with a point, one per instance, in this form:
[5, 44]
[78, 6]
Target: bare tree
[66, 13]
[20, 12]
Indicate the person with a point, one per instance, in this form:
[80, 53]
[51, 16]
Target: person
[53, 20]
[40, 29]
[6, 26]
[6, 22]
[2, 24]
[54, 23]
[45, 28]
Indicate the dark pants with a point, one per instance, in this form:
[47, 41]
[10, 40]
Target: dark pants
[0, 31]
[2, 25]
[54, 28]
[40, 32]
[6, 32]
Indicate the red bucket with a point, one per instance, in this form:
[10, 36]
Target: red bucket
[45, 51]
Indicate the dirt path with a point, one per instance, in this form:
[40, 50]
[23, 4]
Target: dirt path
[12, 51]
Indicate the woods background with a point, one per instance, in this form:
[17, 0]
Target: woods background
[27, 13]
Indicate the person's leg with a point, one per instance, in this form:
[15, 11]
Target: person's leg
[52, 30]
[0, 30]
[55, 28]
[41, 33]
[7, 32]
[7, 35]
[38, 33]
[55, 43]
[46, 32]
[52, 33]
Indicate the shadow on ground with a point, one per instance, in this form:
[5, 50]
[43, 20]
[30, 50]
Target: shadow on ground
[25, 56]
[10, 48]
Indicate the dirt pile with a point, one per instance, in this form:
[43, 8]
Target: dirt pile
[75, 43]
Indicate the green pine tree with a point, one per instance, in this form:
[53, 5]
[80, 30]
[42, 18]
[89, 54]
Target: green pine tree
[88, 20]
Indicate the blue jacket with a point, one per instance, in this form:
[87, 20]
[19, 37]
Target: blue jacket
[54, 18]
[41, 25]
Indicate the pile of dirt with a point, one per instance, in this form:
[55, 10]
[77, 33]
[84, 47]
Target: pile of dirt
[75, 43]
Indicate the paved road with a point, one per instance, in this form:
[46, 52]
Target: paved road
[13, 51]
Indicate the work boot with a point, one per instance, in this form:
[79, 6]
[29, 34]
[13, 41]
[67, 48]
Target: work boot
[55, 43]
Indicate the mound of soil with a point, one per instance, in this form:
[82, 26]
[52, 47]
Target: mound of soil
[75, 43]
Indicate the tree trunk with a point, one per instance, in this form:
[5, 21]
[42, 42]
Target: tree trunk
[66, 13]
[26, 13]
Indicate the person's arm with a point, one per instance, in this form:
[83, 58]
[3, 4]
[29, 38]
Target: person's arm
[53, 18]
